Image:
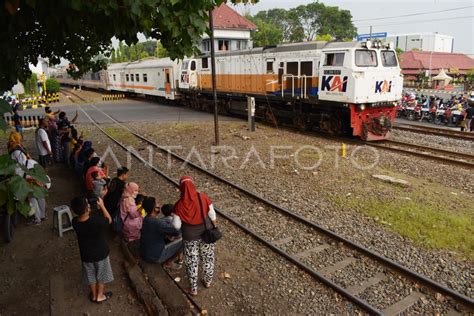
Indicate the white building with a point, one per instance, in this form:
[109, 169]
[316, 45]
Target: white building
[231, 31]
[430, 42]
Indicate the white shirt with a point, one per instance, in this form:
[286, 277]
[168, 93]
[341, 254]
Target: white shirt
[40, 137]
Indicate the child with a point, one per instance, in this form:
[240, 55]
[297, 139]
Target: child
[138, 201]
[99, 185]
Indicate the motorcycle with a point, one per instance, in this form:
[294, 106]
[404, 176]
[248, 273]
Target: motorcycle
[414, 114]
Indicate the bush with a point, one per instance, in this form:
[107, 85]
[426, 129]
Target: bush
[52, 85]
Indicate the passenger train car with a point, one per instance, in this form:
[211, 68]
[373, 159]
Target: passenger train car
[337, 87]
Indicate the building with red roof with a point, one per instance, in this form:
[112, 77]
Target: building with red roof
[231, 30]
[415, 63]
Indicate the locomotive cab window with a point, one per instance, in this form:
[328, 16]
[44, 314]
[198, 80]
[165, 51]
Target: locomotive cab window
[389, 58]
[205, 63]
[145, 78]
[270, 66]
[126, 77]
[365, 58]
[193, 65]
[185, 65]
[334, 59]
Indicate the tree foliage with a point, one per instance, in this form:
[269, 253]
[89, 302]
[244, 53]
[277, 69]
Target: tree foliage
[138, 51]
[268, 34]
[52, 85]
[78, 30]
[30, 84]
[304, 23]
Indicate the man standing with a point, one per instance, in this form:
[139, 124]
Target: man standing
[17, 121]
[42, 144]
[91, 231]
[115, 190]
[469, 116]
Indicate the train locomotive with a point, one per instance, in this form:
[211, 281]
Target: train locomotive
[336, 87]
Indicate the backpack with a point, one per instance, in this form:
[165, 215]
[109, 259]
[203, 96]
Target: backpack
[117, 222]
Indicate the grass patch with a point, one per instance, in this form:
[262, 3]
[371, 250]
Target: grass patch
[426, 221]
[122, 135]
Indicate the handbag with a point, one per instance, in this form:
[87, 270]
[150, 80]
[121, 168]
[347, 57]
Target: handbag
[212, 235]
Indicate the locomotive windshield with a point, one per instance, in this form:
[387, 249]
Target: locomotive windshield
[365, 58]
[388, 58]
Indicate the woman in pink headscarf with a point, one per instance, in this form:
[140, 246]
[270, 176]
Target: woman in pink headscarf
[131, 217]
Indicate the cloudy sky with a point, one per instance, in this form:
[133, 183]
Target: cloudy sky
[448, 18]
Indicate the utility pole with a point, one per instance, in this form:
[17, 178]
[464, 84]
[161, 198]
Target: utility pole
[370, 32]
[213, 74]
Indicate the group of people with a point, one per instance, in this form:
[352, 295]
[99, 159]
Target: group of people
[165, 234]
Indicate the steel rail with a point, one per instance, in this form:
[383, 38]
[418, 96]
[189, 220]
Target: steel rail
[433, 131]
[289, 257]
[384, 260]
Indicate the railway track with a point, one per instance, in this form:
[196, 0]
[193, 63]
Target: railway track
[437, 154]
[345, 252]
[433, 131]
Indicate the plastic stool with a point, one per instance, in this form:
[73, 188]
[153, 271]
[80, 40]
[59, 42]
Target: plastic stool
[58, 213]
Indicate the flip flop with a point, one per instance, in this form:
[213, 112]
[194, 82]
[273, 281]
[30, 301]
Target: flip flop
[191, 292]
[107, 295]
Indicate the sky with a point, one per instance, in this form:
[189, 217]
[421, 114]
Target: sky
[457, 23]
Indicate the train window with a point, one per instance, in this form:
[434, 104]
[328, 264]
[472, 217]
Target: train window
[365, 58]
[114, 77]
[388, 58]
[292, 68]
[334, 59]
[137, 77]
[145, 78]
[185, 65]
[307, 68]
[205, 63]
[193, 65]
[223, 45]
[126, 77]
[270, 66]
[132, 78]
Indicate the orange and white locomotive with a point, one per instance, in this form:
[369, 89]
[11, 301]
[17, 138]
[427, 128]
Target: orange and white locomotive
[337, 87]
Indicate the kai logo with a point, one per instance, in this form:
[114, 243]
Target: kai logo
[383, 86]
[334, 83]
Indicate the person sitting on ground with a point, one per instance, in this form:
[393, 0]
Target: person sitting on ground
[99, 185]
[43, 144]
[94, 168]
[115, 191]
[38, 204]
[153, 248]
[131, 218]
[93, 247]
[75, 152]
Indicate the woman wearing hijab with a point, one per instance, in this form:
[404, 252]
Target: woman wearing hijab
[16, 149]
[131, 217]
[188, 208]
[82, 157]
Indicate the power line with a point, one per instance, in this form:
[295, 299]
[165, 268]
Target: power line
[420, 21]
[413, 14]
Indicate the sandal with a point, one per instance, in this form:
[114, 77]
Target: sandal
[107, 295]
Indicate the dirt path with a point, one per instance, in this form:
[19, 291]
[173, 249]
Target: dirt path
[37, 255]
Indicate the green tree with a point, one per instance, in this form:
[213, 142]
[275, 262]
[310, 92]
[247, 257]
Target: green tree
[52, 85]
[267, 34]
[78, 30]
[30, 84]
[469, 80]
[160, 51]
[399, 52]
[324, 38]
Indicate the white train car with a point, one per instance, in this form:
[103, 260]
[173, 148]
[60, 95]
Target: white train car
[151, 76]
[91, 80]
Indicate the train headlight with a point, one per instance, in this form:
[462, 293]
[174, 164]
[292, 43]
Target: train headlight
[362, 107]
[391, 45]
[368, 44]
